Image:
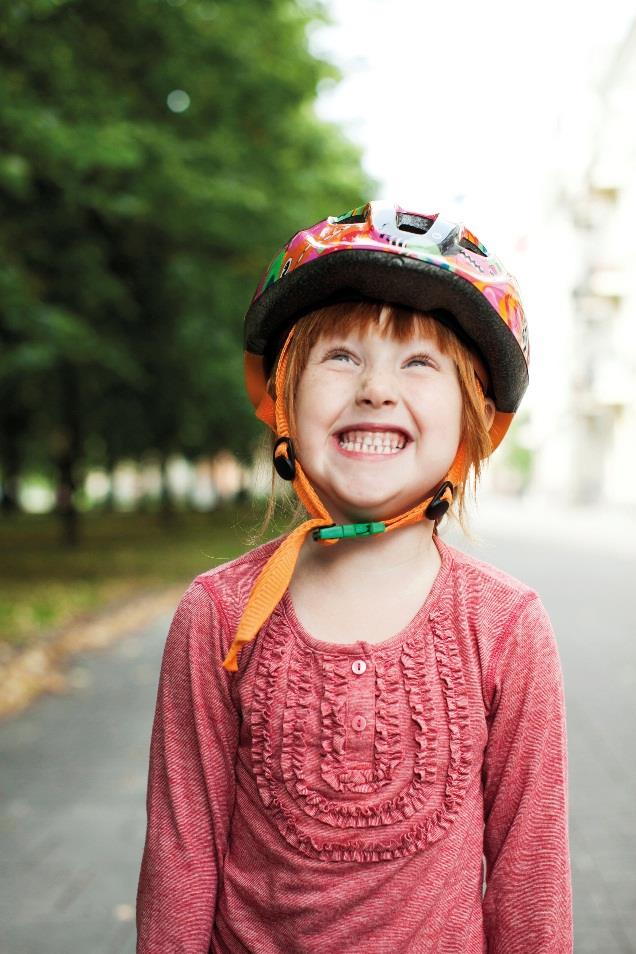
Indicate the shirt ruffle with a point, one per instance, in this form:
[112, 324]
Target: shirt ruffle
[370, 828]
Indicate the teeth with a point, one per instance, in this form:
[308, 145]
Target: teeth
[372, 442]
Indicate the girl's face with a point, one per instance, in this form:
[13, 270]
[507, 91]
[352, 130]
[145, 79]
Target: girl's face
[378, 422]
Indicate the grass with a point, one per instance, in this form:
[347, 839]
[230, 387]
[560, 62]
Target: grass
[44, 585]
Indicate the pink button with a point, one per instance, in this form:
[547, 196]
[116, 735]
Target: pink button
[359, 723]
[359, 666]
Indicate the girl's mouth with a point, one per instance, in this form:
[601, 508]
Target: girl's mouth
[371, 443]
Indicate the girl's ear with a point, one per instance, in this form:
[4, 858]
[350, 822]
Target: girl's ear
[489, 410]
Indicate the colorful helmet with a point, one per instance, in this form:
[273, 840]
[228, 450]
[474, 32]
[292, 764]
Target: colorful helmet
[423, 261]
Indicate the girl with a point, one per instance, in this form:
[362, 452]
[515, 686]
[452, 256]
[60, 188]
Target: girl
[359, 741]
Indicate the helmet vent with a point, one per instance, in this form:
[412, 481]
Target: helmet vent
[352, 220]
[413, 223]
[466, 243]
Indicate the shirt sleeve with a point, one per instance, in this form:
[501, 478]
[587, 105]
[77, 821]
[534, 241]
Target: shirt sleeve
[191, 784]
[527, 905]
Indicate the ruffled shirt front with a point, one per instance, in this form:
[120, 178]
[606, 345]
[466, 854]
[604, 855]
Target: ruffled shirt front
[333, 797]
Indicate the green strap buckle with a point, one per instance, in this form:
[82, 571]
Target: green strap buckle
[339, 530]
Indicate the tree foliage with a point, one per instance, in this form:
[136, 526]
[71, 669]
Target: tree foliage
[155, 153]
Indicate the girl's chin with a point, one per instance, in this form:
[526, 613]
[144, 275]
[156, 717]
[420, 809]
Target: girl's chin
[365, 508]
[366, 511]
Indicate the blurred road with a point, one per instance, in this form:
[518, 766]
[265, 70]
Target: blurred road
[72, 817]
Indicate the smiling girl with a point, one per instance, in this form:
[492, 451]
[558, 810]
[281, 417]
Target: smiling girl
[359, 740]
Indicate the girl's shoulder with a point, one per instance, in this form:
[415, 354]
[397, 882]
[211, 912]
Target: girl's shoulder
[497, 611]
[483, 590]
[230, 583]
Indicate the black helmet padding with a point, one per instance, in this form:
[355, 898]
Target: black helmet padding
[396, 279]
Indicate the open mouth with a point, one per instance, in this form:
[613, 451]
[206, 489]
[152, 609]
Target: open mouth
[383, 443]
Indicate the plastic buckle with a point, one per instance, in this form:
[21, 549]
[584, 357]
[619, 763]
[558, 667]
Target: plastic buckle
[339, 531]
[438, 505]
[285, 464]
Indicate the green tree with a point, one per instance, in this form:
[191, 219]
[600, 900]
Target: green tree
[155, 153]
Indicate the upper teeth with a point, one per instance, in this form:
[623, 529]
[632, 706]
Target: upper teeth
[373, 442]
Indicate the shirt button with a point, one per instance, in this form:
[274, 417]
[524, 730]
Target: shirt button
[359, 722]
[359, 666]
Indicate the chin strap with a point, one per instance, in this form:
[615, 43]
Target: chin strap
[274, 577]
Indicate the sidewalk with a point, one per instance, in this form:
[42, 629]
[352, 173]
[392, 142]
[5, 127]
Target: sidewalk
[72, 813]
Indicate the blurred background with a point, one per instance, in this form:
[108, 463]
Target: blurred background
[154, 155]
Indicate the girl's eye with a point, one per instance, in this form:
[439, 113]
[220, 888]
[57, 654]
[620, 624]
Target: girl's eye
[338, 354]
[422, 359]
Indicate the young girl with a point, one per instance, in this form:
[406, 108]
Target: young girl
[359, 741]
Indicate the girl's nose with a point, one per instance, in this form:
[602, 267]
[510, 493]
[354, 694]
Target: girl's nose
[376, 388]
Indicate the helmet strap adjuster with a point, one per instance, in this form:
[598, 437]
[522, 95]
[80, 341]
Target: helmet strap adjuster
[285, 460]
[440, 503]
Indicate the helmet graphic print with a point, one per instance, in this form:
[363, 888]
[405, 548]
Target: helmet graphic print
[384, 253]
[423, 261]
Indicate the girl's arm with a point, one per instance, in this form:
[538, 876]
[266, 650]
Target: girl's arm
[527, 906]
[191, 784]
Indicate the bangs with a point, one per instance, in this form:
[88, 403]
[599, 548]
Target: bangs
[359, 317]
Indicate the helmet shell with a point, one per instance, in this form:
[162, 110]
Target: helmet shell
[383, 252]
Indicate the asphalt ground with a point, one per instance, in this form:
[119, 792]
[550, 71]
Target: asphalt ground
[73, 767]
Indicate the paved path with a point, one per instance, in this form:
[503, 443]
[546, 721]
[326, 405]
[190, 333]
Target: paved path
[72, 790]
[72, 811]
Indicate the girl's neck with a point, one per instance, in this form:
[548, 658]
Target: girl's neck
[382, 555]
[365, 589]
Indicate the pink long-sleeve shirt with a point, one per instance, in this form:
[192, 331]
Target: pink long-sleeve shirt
[358, 798]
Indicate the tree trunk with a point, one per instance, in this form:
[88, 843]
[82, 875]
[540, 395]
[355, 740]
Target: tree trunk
[108, 505]
[13, 424]
[167, 513]
[67, 450]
